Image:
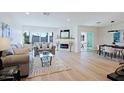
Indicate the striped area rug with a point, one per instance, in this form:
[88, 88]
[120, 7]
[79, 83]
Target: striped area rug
[56, 67]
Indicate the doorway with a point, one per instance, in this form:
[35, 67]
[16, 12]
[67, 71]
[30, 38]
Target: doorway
[86, 41]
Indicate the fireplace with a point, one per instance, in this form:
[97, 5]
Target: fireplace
[64, 46]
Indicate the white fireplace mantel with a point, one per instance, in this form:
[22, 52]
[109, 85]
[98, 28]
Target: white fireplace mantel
[68, 41]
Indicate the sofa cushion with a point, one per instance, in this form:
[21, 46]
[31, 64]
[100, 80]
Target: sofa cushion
[19, 45]
[18, 51]
[37, 45]
[10, 50]
[50, 45]
[13, 46]
[44, 45]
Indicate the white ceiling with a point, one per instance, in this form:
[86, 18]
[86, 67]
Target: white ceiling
[61, 19]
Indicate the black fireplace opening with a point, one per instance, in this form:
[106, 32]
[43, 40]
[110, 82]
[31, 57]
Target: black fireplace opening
[65, 46]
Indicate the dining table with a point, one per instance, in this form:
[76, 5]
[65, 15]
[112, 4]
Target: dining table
[106, 45]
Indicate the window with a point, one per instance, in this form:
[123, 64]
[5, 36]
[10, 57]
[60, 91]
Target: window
[43, 37]
[51, 37]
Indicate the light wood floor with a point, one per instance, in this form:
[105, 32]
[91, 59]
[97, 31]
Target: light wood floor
[87, 66]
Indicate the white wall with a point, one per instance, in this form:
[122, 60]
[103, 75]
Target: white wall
[105, 37]
[16, 28]
[76, 38]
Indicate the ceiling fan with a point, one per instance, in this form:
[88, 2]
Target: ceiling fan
[46, 13]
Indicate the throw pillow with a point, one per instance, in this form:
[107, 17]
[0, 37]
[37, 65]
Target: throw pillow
[10, 50]
[47, 45]
[6, 53]
[13, 46]
[37, 45]
[9, 53]
[50, 45]
[19, 45]
[44, 45]
[41, 45]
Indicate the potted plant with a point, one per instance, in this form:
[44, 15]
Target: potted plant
[26, 38]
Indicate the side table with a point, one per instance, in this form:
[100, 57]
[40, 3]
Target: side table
[10, 74]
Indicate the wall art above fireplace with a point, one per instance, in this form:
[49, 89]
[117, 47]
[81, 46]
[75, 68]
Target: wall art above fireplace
[64, 33]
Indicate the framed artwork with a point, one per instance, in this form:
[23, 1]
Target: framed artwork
[82, 38]
[117, 37]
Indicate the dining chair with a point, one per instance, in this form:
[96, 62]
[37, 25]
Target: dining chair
[109, 51]
[119, 53]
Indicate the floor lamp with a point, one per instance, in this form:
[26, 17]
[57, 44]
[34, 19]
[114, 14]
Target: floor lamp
[4, 45]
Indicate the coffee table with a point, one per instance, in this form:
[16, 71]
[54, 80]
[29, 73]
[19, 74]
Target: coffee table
[46, 57]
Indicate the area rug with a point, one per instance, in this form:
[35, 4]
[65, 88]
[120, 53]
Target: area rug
[56, 67]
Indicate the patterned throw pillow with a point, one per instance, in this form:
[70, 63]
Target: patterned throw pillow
[6, 53]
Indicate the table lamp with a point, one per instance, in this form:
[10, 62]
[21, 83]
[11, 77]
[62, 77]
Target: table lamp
[4, 45]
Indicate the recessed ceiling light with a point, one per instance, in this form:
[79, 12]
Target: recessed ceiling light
[112, 21]
[27, 13]
[98, 22]
[46, 13]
